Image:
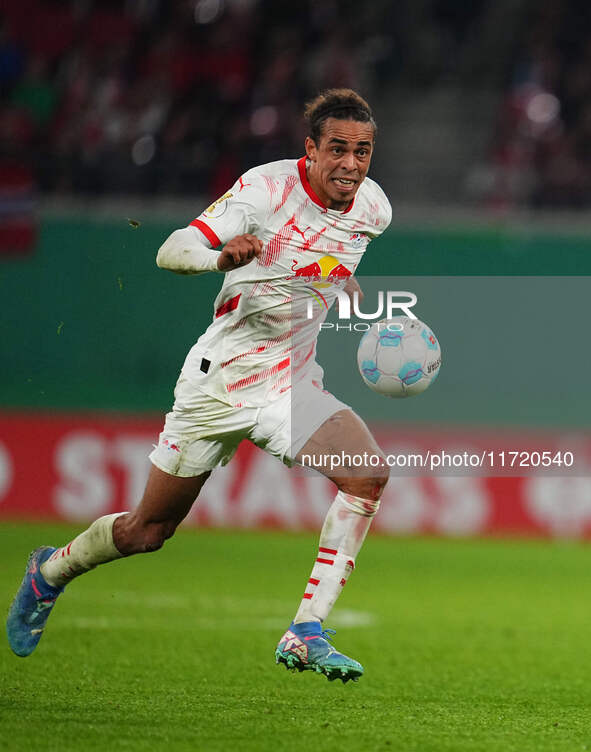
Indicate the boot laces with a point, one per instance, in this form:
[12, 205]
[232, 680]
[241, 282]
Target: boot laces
[328, 634]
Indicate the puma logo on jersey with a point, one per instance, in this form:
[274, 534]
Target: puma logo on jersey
[292, 223]
[301, 232]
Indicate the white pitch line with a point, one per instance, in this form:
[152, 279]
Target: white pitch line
[344, 618]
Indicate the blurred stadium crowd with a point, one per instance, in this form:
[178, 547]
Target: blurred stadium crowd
[165, 95]
[180, 96]
[541, 153]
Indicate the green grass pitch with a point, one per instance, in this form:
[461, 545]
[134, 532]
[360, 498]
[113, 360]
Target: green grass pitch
[467, 645]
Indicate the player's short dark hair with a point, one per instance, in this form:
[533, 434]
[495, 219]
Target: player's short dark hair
[342, 104]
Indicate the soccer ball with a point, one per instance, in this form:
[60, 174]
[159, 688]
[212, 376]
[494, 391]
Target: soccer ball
[399, 357]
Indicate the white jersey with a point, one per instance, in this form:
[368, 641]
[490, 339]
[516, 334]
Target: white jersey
[256, 345]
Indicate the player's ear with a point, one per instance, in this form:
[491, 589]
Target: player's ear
[311, 149]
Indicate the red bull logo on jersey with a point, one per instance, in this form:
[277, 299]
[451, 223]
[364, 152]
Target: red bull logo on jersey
[322, 273]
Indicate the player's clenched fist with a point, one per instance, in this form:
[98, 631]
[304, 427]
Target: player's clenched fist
[239, 251]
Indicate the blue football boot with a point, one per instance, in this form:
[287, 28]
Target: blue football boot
[306, 647]
[31, 606]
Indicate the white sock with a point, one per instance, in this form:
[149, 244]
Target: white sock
[341, 538]
[92, 547]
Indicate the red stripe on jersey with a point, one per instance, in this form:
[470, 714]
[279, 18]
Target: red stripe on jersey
[313, 581]
[284, 378]
[301, 364]
[208, 232]
[273, 249]
[228, 306]
[270, 183]
[310, 191]
[325, 561]
[253, 351]
[261, 348]
[307, 595]
[256, 377]
[276, 318]
[290, 183]
[328, 551]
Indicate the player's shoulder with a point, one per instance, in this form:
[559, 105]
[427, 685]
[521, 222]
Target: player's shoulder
[270, 184]
[273, 170]
[371, 193]
[257, 186]
[372, 200]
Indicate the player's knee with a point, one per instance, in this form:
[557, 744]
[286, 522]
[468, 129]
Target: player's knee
[377, 485]
[370, 486]
[378, 478]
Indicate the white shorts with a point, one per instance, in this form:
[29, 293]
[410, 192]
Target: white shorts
[201, 432]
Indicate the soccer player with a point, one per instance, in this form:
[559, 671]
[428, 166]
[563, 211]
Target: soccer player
[287, 228]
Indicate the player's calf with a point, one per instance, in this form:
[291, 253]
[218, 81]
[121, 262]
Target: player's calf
[166, 502]
[344, 530]
[132, 535]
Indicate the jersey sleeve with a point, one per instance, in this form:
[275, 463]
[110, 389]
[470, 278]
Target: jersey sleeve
[242, 209]
[381, 211]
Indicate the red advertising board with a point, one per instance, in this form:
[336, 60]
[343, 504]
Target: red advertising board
[78, 467]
